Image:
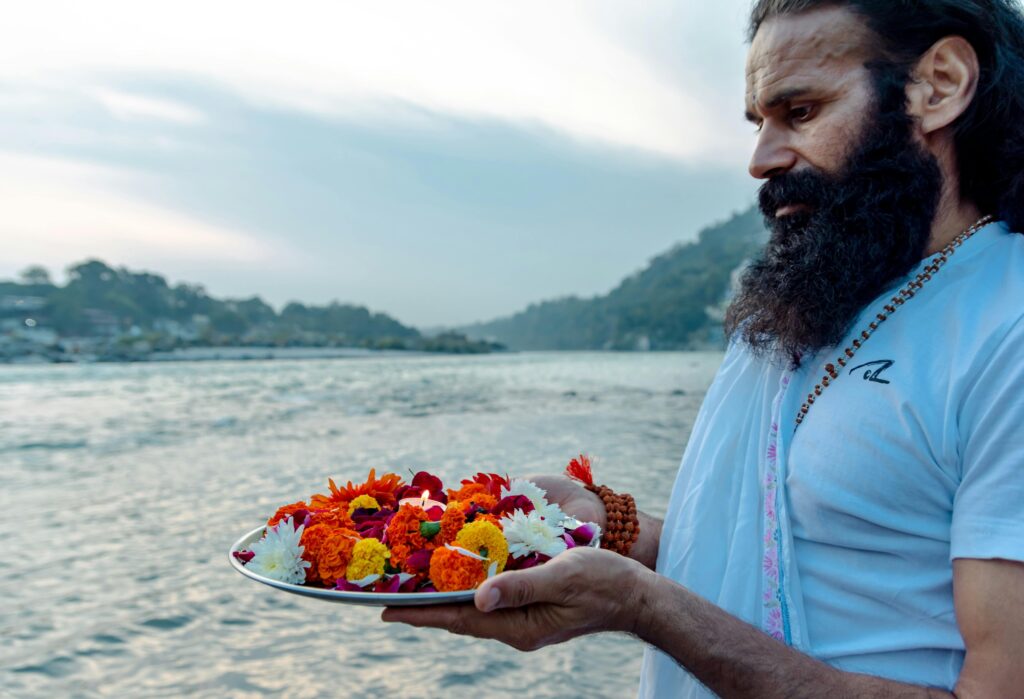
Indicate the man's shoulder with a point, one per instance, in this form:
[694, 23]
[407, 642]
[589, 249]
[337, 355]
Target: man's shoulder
[989, 284]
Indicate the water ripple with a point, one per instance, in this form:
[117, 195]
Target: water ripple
[137, 478]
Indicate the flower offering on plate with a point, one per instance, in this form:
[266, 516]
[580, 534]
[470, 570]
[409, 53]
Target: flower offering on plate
[385, 541]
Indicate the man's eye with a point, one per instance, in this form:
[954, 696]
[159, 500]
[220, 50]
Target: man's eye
[801, 114]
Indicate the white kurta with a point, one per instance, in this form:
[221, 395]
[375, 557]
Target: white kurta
[912, 458]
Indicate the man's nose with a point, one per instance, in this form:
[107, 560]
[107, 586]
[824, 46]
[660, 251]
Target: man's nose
[772, 155]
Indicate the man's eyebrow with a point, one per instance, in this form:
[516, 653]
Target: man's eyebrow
[781, 98]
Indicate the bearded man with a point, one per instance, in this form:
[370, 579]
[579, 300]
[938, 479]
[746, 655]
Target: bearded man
[848, 519]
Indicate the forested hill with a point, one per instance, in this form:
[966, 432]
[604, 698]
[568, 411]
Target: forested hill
[116, 308]
[674, 303]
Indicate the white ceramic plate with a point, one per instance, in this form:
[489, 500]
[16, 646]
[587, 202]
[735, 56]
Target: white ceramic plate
[369, 599]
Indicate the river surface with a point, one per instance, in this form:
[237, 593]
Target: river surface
[122, 487]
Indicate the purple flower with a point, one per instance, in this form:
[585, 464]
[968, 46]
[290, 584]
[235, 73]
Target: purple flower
[372, 523]
[388, 584]
[507, 505]
[585, 533]
[419, 561]
[473, 511]
[411, 584]
[534, 559]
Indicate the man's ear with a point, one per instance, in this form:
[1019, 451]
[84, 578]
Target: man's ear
[943, 83]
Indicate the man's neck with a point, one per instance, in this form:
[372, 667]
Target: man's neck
[951, 219]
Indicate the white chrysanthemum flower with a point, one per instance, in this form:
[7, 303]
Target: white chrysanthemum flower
[538, 496]
[278, 555]
[531, 533]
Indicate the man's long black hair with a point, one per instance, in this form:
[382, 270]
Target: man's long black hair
[989, 135]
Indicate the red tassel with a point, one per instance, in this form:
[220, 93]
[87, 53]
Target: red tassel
[579, 469]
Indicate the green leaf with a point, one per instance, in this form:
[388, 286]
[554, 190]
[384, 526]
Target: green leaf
[430, 529]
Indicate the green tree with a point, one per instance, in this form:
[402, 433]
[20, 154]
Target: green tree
[35, 275]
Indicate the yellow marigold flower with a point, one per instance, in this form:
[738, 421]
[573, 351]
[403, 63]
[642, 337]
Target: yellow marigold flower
[482, 537]
[367, 502]
[368, 558]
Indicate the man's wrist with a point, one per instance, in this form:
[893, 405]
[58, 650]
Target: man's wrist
[639, 611]
[645, 549]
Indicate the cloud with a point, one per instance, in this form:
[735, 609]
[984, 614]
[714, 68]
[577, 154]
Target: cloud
[130, 107]
[58, 212]
[443, 162]
[560, 65]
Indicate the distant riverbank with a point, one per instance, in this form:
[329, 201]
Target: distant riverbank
[204, 354]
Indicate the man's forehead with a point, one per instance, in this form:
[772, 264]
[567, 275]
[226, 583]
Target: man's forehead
[810, 47]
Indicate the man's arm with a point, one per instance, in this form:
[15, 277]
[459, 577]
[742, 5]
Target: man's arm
[735, 659]
[586, 590]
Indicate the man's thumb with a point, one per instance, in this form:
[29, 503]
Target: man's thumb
[511, 589]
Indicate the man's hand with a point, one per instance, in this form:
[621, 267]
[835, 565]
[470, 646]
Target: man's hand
[581, 591]
[585, 506]
[573, 498]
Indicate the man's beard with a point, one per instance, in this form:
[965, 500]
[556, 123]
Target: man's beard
[861, 231]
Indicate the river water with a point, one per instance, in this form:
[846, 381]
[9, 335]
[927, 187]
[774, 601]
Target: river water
[122, 487]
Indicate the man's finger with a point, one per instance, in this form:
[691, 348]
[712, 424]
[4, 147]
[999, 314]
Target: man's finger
[439, 617]
[518, 588]
[461, 619]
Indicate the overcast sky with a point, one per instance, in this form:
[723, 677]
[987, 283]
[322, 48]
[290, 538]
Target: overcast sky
[443, 162]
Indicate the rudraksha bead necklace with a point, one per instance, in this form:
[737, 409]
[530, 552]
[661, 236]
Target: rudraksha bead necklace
[904, 295]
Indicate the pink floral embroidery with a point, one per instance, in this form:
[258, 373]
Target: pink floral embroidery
[772, 621]
[773, 624]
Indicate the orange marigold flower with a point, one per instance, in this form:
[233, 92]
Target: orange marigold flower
[312, 540]
[486, 517]
[403, 534]
[451, 571]
[453, 520]
[473, 493]
[465, 491]
[381, 489]
[287, 511]
[335, 518]
[334, 555]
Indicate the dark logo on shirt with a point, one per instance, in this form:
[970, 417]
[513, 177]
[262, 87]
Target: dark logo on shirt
[873, 370]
